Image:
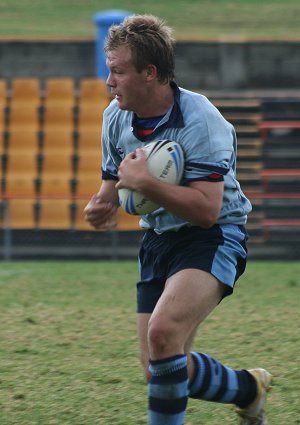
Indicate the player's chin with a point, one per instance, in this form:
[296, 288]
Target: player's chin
[125, 105]
[122, 105]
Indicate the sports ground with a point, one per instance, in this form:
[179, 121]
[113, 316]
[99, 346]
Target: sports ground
[68, 352]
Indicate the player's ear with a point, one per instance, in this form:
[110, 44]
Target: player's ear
[151, 72]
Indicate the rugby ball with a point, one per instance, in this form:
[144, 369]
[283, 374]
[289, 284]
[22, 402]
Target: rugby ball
[165, 161]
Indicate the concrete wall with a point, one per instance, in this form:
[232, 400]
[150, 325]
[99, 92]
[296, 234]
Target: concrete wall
[204, 65]
[245, 65]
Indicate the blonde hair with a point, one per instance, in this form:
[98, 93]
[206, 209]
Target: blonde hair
[150, 41]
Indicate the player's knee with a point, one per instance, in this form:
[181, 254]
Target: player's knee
[160, 337]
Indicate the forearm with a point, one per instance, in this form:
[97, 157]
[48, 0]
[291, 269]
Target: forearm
[198, 207]
[108, 192]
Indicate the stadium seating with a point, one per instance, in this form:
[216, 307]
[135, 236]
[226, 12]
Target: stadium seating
[90, 117]
[89, 164]
[88, 173]
[3, 92]
[22, 213]
[24, 118]
[20, 185]
[93, 91]
[2, 122]
[54, 214]
[60, 92]
[89, 141]
[25, 92]
[59, 117]
[56, 174]
[50, 147]
[38, 147]
[21, 163]
[23, 141]
[280, 132]
[57, 140]
[86, 186]
[19, 175]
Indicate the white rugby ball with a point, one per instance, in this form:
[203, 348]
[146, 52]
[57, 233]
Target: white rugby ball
[165, 161]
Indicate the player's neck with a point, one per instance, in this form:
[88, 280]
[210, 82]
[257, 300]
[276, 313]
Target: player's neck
[160, 99]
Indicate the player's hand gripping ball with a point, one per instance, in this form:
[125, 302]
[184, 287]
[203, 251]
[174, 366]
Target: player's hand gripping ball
[165, 161]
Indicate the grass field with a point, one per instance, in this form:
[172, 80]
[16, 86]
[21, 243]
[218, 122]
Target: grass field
[68, 352]
[203, 19]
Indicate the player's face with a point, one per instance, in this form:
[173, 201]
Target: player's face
[127, 85]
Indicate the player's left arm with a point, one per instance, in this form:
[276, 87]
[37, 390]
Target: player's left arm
[199, 202]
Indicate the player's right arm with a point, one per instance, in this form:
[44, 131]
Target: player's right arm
[101, 211]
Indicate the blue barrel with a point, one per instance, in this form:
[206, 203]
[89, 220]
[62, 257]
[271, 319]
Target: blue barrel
[103, 20]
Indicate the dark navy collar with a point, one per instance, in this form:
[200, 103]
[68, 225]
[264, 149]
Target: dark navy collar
[175, 119]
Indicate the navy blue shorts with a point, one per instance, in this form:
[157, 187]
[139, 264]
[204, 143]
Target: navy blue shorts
[220, 250]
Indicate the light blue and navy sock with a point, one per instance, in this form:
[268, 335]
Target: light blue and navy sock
[215, 382]
[168, 391]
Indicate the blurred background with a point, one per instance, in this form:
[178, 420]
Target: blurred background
[243, 55]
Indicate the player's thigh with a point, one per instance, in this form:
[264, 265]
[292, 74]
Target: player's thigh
[189, 296]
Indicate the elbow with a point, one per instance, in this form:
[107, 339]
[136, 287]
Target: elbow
[206, 222]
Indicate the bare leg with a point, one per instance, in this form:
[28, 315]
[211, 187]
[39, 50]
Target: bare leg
[188, 335]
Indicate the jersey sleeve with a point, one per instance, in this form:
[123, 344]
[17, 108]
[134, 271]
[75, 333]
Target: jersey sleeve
[110, 156]
[210, 152]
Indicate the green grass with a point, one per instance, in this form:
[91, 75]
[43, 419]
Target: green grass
[190, 18]
[68, 352]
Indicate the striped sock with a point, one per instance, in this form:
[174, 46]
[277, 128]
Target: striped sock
[168, 391]
[215, 382]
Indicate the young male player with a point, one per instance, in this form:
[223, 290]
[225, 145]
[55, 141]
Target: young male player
[194, 248]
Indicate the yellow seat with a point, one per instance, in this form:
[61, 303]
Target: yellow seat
[57, 163]
[58, 118]
[3, 88]
[60, 92]
[21, 173]
[26, 141]
[21, 163]
[89, 164]
[93, 91]
[90, 117]
[2, 118]
[86, 186]
[24, 119]
[89, 141]
[20, 185]
[22, 214]
[25, 91]
[55, 186]
[56, 174]
[57, 140]
[55, 214]
[3, 93]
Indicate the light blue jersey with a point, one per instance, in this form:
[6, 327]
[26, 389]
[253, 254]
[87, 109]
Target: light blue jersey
[209, 144]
